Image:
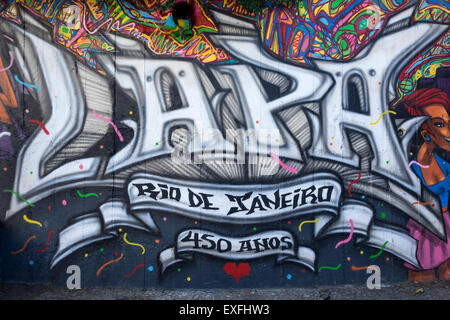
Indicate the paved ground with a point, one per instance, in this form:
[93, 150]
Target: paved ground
[436, 290]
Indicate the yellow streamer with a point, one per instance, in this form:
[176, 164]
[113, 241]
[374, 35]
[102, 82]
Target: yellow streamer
[389, 111]
[133, 244]
[31, 221]
[307, 221]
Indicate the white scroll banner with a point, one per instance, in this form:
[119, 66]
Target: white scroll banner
[282, 243]
[96, 226]
[168, 196]
[275, 242]
[398, 242]
[238, 204]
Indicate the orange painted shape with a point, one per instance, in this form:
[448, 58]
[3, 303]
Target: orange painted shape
[7, 96]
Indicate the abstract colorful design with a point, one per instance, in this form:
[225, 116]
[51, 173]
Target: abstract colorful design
[433, 11]
[425, 65]
[329, 30]
[81, 27]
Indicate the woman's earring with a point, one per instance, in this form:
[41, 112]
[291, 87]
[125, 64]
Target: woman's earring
[427, 139]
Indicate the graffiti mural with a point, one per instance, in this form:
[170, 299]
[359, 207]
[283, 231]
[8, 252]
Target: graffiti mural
[211, 144]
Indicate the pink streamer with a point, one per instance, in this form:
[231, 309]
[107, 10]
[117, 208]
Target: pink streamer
[111, 123]
[349, 237]
[282, 164]
[10, 64]
[9, 38]
[419, 164]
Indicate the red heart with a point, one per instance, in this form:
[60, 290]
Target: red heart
[237, 272]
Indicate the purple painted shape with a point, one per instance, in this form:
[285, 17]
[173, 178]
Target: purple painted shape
[19, 130]
[444, 84]
[441, 81]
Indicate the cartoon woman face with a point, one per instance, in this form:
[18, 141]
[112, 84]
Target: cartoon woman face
[438, 126]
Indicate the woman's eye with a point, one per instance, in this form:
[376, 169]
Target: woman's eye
[439, 124]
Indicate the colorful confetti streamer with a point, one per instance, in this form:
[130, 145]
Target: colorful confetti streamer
[87, 194]
[48, 242]
[354, 181]
[24, 246]
[349, 237]
[31, 221]
[134, 270]
[41, 125]
[108, 263]
[132, 243]
[26, 84]
[293, 170]
[423, 203]
[331, 268]
[307, 221]
[379, 252]
[354, 268]
[419, 164]
[20, 197]
[111, 123]
[389, 111]
[11, 56]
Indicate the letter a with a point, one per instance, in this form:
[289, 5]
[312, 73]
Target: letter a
[374, 281]
[74, 281]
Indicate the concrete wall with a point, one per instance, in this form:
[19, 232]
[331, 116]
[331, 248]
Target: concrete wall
[224, 147]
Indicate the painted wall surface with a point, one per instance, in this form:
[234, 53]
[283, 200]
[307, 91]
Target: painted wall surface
[290, 146]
